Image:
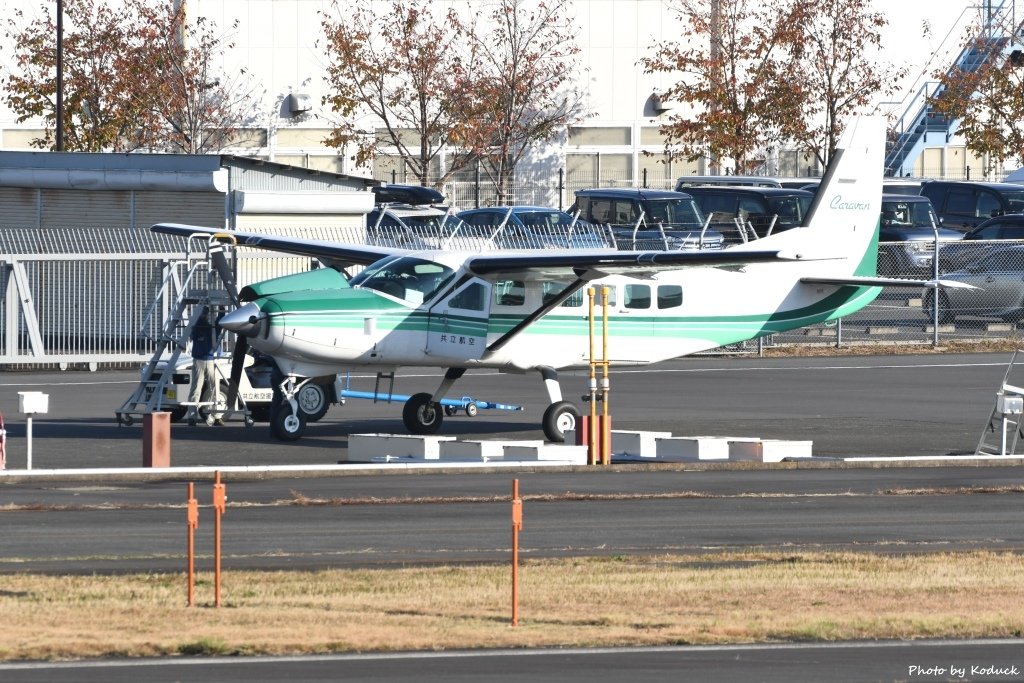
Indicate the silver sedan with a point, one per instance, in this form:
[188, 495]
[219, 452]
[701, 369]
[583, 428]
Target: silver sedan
[998, 289]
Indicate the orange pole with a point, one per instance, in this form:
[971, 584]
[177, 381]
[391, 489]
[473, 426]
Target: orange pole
[606, 425]
[219, 500]
[193, 522]
[592, 425]
[517, 525]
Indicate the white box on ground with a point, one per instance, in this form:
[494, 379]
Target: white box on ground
[33, 402]
[768, 450]
[473, 451]
[368, 447]
[637, 443]
[691, 448]
[547, 452]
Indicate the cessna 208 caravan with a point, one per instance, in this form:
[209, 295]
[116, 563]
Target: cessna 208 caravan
[524, 310]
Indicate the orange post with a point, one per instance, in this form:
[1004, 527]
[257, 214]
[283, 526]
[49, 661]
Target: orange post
[517, 525]
[219, 504]
[592, 447]
[606, 420]
[193, 522]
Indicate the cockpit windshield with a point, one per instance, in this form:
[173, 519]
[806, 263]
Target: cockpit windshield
[404, 277]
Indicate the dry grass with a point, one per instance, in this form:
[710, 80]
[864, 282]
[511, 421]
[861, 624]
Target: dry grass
[994, 345]
[573, 602]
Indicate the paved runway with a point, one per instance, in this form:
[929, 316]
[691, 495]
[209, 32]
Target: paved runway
[919, 405]
[891, 406]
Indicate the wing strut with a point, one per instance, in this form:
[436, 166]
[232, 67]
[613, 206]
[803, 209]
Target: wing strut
[552, 303]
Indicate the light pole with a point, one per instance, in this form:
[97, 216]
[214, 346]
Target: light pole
[60, 75]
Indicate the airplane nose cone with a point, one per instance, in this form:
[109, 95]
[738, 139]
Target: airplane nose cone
[245, 321]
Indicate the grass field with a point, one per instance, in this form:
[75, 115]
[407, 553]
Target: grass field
[720, 598]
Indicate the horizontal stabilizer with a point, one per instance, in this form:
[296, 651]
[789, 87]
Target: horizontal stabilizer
[884, 282]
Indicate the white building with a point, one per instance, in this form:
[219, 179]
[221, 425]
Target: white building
[277, 42]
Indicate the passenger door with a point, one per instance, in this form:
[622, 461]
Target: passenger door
[457, 324]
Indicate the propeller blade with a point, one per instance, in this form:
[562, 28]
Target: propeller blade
[237, 363]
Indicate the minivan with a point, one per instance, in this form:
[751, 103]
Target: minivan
[963, 205]
[765, 209]
[906, 236]
[647, 219]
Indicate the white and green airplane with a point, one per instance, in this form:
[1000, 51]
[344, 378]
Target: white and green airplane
[525, 310]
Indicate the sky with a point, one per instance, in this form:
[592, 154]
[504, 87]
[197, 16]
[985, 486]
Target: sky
[905, 42]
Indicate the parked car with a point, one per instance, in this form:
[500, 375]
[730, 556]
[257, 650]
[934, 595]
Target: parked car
[998, 281]
[765, 209]
[647, 219]
[906, 238]
[687, 181]
[534, 227]
[903, 185]
[983, 239]
[418, 227]
[414, 195]
[964, 205]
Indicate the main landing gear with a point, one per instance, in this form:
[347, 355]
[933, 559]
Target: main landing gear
[423, 413]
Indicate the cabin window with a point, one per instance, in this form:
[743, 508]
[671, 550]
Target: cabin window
[509, 293]
[470, 299]
[670, 296]
[637, 296]
[549, 290]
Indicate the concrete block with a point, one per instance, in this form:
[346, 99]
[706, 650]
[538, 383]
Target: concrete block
[375, 447]
[473, 450]
[768, 450]
[546, 452]
[1000, 327]
[691, 448]
[635, 443]
[878, 329]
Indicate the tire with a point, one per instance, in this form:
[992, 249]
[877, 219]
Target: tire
[559, 418]
[946, 315]
[287, 427]
[178, 413]
[421, 415]
[312, 400]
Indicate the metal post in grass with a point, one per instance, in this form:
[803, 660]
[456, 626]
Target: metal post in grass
[219, 501]
[517, 525]
[193, 522]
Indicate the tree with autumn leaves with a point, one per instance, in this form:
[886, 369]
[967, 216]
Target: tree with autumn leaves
[484, 87]
[759, 73]
[985, 93]
[137, 76]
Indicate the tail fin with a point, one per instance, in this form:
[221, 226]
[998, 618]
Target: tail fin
[845, 213]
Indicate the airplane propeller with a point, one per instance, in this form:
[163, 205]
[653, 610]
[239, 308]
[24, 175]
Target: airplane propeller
[237, 363]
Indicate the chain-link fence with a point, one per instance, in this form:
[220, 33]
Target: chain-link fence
[84, 300]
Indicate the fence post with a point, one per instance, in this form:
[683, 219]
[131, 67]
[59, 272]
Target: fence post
[517, 525]
[219, 502]
[561, 188]
[193, 522]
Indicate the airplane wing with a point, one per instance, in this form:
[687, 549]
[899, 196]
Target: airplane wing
[331, 253]
[885, 282]
[590, 264]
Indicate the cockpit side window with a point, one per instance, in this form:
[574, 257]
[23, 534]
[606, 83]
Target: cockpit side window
[410, 279]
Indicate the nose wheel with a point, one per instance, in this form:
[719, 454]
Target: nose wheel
[287, 421]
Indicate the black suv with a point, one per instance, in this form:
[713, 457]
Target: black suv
[647, 219]
[964, 205]
[906, 237]
[765, 209]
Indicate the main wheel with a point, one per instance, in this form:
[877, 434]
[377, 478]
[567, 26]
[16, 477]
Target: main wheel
[559, 418]
[286, 426]
[178, 413]
[421, 415]
[946, 315]
[312, 399]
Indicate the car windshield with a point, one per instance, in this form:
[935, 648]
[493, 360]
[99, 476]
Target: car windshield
[674, 212]
[1015, 198]
[405, 277]
[790, 210]
[907, 214]
[547, 222]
